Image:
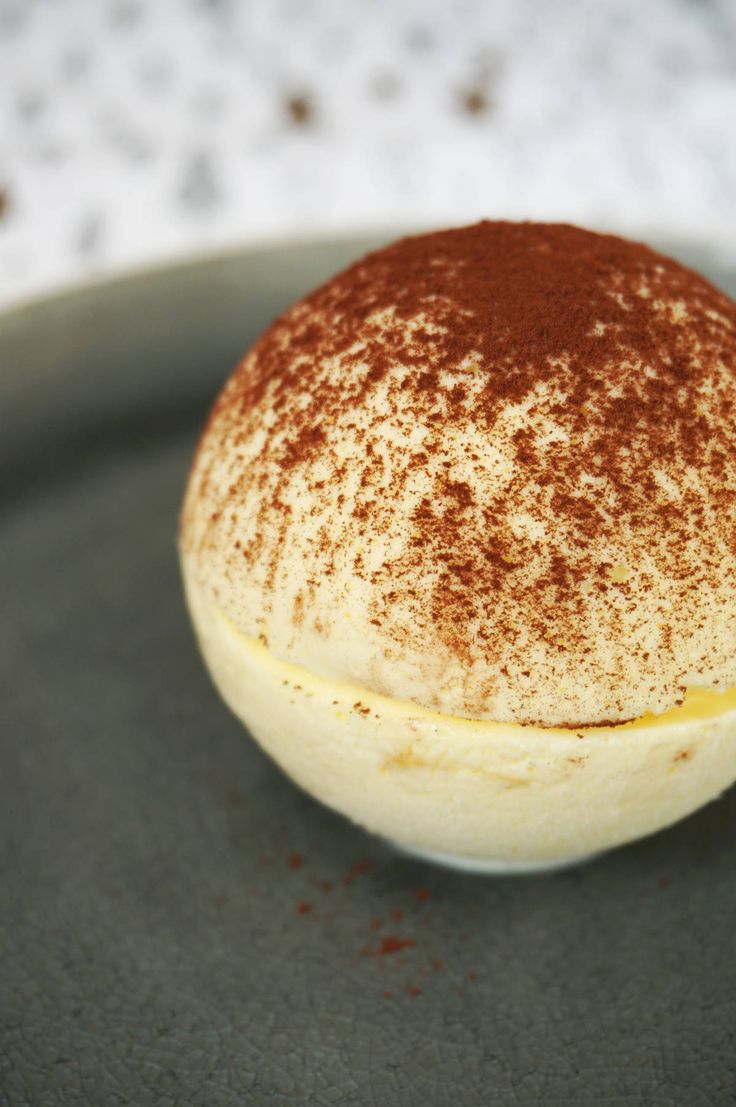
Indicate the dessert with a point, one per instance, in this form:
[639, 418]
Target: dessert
[459, 542]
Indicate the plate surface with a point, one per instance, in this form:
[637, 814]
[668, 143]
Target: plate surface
[180, 925]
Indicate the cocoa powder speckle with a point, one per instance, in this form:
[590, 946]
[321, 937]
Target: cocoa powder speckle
[497, 466]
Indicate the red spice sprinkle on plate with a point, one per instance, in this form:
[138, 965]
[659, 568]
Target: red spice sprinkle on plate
[390, 944]
[360, 868]
[376, 924]
[295, 861]
[397, 916]
[413, 990]
[421, 895]
[304, 908]
[234, 798]
[436, 964]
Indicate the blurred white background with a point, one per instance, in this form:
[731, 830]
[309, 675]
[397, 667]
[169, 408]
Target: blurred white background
[135, 131]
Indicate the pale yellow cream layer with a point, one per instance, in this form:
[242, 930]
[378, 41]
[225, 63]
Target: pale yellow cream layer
[699, 703]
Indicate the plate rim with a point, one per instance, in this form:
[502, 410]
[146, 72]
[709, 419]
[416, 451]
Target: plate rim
[720, 254]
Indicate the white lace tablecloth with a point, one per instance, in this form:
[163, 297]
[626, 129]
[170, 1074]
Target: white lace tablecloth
[134, 131]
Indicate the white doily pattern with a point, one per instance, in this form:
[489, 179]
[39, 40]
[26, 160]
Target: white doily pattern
[133, 131]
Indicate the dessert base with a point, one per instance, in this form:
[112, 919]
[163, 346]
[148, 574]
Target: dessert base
[483, 796]
[490, 866]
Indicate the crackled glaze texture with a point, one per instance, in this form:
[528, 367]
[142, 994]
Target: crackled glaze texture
[489, 470]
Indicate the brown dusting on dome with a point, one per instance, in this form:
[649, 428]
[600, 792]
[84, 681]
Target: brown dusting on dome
[465, 423]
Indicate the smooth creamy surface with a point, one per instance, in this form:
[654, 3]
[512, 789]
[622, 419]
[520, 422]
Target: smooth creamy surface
[467, 787]
[490, 471]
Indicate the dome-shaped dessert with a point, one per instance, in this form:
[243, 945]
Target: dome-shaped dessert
[488, 473]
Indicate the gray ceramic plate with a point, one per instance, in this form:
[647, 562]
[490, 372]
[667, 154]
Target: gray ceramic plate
[180, 925]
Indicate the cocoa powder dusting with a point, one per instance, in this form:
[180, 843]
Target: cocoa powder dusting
[517, 438]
